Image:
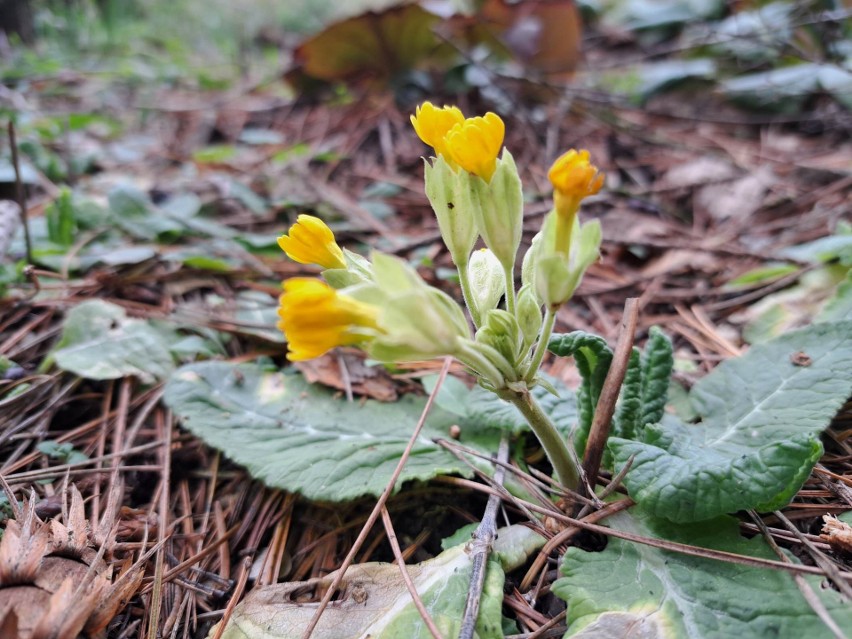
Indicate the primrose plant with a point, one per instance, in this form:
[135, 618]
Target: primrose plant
[382, 305]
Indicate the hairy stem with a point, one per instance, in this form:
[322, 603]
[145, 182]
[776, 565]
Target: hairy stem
[509, 272]
[557, 451]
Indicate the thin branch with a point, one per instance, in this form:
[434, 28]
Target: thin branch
[819, 557]
[374, 515]
[804, 587]
[480, 547]
[403, 569]
[19, 190]
[673, 546]
[564, 536]
[601, 422]
[238, 592]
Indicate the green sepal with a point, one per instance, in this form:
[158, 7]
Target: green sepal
[498, 207]
[449, 194]
[528, 310]
[502, 333]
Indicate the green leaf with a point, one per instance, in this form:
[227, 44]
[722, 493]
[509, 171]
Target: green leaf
[761, 416]
[593, 357]
[657, 364]
[484, 407]
[631, 589]
[838, 307]
[99, 341]
[133, 212]
[304, 438]
[61, 223]
[625, 422]
[375, 602]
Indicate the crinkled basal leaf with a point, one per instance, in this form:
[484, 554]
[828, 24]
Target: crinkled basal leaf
[634, 590]
[303, 438]
[759, 435]
[374, 602]
[99, 341]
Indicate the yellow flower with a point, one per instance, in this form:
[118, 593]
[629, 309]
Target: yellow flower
[310, 241]
[573, 178]
[475, 143]
[315, 318]
[432, 124]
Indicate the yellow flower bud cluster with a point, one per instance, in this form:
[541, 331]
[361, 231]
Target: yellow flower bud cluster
[470, 143]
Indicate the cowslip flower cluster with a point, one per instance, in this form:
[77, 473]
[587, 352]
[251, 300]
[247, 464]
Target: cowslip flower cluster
[382, 305]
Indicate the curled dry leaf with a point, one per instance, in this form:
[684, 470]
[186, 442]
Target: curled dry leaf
[54, 582]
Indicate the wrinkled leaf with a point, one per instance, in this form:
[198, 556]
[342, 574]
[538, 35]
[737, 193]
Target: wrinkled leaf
[593, 356]
[374, 602]
[99, 341]
[759, 435]
[634, 590]
[303, 438]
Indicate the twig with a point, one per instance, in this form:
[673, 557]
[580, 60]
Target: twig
[19, 191]
[480, 548]
[238, 591]
[565, 535]
[803, 586]
[374, 515]
[673, 546]
[599, 430]
[542, 630]
[819, 557]
[406, 577]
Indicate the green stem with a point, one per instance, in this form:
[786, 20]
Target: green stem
[509, 272]
[557, 451]
[467, 293]
[541, 346]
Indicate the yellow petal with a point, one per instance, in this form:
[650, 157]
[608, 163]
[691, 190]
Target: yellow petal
[432, 124]
[574, 177]
[475, 143]
[310, 241]
[316, 318]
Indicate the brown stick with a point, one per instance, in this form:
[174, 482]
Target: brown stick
[19, 191]
[601, 422]
[403, 570]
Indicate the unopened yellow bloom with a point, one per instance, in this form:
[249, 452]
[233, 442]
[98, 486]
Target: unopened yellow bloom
[432, 124]
[475, 143]
[573, 178]
[316, 318]
[310, 241]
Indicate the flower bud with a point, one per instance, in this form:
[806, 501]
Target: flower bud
[310, 241]
[528, 311]
[486, 281]
[501, 332]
